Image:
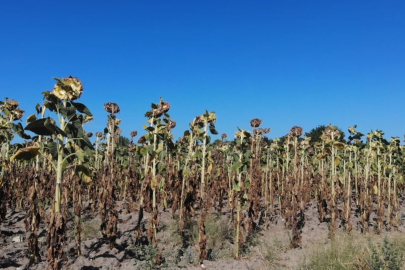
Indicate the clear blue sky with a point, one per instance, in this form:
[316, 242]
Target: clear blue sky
[287, 62]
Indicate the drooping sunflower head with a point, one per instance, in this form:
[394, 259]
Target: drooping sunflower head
[69, 88]
[17, 113]
[112, 107]
[133, 133]
[332, 132]
[142, 140]
[90, 134]
[296, 131]
[99, 134]
[212, 117]
[352, 130]
[261, 131]
[256, 122]
[10, 104]
[207, 117]
[196, 121]
[162, 108]
[171, 125]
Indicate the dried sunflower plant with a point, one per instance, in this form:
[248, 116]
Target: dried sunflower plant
[67, 147]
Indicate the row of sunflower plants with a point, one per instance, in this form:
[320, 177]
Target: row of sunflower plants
[254, 180]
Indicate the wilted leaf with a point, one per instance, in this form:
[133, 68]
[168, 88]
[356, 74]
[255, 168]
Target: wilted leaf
[82, 108]
[400, 178]
[26, 153]
[53, 149]
[213, 130]
[339, 145]
[161, 166]
[162, 184]
[44, 126]
[31, 118]
[160, 148]
[337, 160]
[19, 130]
[38, 108]
[84, 173]
[209, 169]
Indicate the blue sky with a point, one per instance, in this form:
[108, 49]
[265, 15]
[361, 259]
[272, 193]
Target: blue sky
[287, 62]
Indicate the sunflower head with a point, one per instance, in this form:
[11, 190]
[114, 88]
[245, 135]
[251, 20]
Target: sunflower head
[352, 130]
[10, 104]
[133, 133]
[196, 121]
[162, 108]
[99, 134]
[332, 132]
[256, 122]
[18, 113]
[69, 88]
[90, 134]
[172, 124]
[112, 107]
[296, 131]
[261, 131]
[142, 140]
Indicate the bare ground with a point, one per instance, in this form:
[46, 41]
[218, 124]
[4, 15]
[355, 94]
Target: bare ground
[267, 249]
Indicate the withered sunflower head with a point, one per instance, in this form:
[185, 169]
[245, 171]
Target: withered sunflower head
[261, 131]
[133, 133]
[90, 134]
[99, 134]
[162, 108]
[165, 106]
[112, 107]
[212, 118]
[256, 122]
[172, 124]
[196, 121]
[10, 104]
[142, 140]
[224, 136]
[332, 132]
[69, 88]
[296, 131]
[18, 113]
